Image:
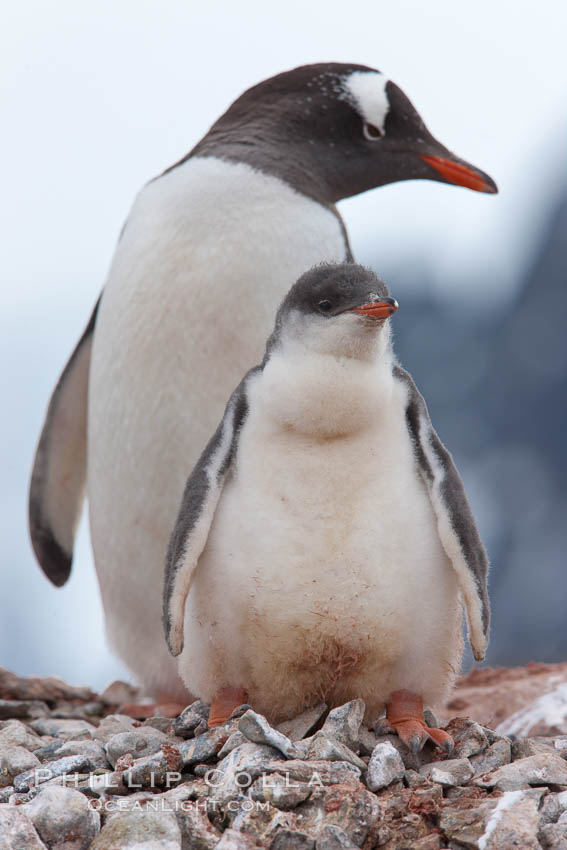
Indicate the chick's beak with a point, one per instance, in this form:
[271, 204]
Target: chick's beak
[382, 309]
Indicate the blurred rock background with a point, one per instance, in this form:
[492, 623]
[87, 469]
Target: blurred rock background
[98, 98]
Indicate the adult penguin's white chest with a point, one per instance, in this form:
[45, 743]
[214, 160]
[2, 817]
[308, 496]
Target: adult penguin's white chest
[324, 575]
[208, 252]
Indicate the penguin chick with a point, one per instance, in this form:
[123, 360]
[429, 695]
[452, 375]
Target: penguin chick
[324, 542]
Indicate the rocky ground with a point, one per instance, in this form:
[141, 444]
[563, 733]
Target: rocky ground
[77, 773]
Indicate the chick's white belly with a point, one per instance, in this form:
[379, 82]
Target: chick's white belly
[313, 585]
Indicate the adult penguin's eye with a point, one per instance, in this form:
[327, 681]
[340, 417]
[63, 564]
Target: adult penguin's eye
[371, 132]
[325, 306]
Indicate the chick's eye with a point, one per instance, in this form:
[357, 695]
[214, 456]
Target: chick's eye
[325, 306]
[371, 132]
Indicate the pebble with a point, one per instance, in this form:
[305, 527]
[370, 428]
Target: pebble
[553, 806]
[343, 723]
[232, 839]
[235, 740]
[13, 761]
[385, 766]
[111, 725]
[321, 746]
[261, 823]
[554, 836]
[413, 779]
[16, 733]
[292, 839]
[304, 723]
[197, 831]
[514, 823]
[143, 741]
[542, 769]
[412, 761]
[333, 838]
[17, 687]
[317, 772]
[63, 818]
[469, 737]
[351, 807]
[524, 747]
[60, 728]
[118, 692]
[367, 740]
[110, 781]
[38, 775]
[91, 750]
[450, 772]
[154, 770]
[205, 746]
[256, 728]
[24, 709]
[17, 832]
[162, 724]
[6, 793]
[280, 791]
[190, 719]
[239, 769]
[69, 710]
[139, 829]
[496, 755]
[49, 751]
[185, 791]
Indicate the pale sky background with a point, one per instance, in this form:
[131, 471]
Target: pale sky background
[97, 98]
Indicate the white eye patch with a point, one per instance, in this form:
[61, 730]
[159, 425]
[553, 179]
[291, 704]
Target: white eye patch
[367, 92]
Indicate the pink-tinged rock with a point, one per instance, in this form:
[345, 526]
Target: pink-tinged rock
[256, 728]
[385, 766]
[352, 808]
[13, 761]
[450, 772]
[17, 832]
[543, 769]
[134, 830]
[468, 736]
[118, 692]
[497, 823]
[343, 723]
[234, 840]
[280, 791]
[317, 773]
[524, 747]
[63, 818]
[546, 715]
[513, 823]
[554, 836]
[197, 831]
[291, 839]
[16, 734]
[262, 822]
[304, 723]
[49, 688]
[497, 755]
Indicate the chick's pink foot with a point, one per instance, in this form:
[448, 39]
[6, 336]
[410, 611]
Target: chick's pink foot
[224, 703]
[404, 717]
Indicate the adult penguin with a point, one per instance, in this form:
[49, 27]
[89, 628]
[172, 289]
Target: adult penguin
[207, 253]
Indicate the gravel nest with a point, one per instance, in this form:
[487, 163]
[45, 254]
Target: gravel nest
[77, 773]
